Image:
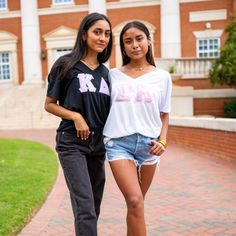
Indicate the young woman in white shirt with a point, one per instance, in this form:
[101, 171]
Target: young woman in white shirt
[136, 129]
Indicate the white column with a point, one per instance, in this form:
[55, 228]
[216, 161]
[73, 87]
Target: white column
[170, 29]
[97, 6]
[15, 74]
[31, 42]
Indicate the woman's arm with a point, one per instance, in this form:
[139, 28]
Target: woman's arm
[159, 146]
[81, 126]
[165, 124]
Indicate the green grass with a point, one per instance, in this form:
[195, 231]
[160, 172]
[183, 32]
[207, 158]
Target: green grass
[27, 172]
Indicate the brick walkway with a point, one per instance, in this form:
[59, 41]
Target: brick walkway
[192, 194]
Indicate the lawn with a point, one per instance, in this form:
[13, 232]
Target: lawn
[27, 172]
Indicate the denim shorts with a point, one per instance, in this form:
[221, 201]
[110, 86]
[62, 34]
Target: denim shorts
[133, 147]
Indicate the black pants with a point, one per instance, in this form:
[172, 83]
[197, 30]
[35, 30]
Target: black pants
[82, 162]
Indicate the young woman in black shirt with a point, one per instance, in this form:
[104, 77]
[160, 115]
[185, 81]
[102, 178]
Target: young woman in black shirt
[78, 92]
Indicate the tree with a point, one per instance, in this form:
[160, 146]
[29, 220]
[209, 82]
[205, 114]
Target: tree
[223, 69]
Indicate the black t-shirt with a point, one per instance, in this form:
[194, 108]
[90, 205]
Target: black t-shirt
[82, 90]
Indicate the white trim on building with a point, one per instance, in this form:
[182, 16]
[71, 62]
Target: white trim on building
[208, 33]
[219, 14]
[8, 43]
[62, 37]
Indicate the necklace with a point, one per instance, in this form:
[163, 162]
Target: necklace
[137, 68]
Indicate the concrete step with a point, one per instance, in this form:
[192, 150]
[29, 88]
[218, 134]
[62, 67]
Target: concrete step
[22, 107]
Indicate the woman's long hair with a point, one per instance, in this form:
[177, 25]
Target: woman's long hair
[143, 28]
[80, 48]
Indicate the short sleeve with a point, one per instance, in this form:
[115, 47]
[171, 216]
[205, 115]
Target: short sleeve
[54, 84]
[166, 96]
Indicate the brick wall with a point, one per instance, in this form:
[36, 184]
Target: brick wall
[213, 142]
[206, 106]
[210, 106]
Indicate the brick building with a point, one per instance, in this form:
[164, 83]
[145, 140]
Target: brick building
[186, 34]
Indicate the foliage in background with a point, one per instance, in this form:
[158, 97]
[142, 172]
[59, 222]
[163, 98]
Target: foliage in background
[230, 109]
[171, 69]
[27, 173]
[223, 70]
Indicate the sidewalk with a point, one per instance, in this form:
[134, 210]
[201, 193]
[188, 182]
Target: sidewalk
[192, 194]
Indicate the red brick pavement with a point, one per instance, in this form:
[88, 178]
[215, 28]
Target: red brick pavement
[192, 194]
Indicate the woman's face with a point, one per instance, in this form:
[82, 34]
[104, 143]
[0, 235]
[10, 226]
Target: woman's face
[98, 36]
[135, 43]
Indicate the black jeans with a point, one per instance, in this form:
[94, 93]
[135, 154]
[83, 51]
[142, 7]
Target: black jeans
[82, 162]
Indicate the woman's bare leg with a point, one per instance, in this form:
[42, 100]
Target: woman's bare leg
[125, 174]
[147, 172]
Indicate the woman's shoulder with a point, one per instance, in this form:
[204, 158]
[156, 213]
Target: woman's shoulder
[60, 63]
[113, 71]
[104, 68]
[163, 74]
[162, 71]
[114, 74]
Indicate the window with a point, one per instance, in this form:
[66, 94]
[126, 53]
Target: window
[208, 47]
[3, 4]
[4, 66]
[60, 52]
[57, 2]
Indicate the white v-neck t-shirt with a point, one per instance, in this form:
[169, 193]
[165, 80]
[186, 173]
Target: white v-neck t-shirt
[136, 103]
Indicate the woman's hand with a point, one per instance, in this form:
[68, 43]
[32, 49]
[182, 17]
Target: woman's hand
[57, 110]
[157, 148]
[81, 126]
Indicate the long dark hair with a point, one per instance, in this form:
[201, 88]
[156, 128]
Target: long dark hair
[142, 27]
[80, 49]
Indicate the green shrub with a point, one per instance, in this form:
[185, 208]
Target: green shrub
[171, 69]
[230, 109]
